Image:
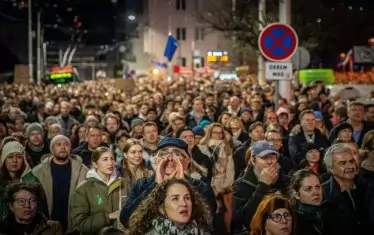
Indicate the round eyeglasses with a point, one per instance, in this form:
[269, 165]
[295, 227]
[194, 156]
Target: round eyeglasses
[277, 217]
[23, 201]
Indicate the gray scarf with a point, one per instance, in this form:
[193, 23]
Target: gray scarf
[166, 227]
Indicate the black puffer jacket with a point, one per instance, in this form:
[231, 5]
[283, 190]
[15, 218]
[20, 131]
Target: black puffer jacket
[247, 195]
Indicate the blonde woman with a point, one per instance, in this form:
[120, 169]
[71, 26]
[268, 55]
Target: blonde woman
[175, 121]
[133, 166]
[53, 130]
[215, 145]
[237, 129]
[96, 203]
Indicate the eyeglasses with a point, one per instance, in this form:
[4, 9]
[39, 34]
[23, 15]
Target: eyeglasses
[278, 217]
[172, 153]
[23, 201]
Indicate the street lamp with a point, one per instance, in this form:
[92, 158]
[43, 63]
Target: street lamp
[131, 17]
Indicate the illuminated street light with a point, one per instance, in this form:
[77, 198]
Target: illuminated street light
[155, 72]
[131, 17]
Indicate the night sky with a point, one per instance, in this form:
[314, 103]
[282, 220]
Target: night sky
[96, 18]
[101, 22]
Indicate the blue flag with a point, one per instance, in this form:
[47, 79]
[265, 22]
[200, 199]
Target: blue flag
[171, 47]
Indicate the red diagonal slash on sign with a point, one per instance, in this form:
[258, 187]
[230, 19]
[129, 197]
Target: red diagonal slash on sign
[278, 42]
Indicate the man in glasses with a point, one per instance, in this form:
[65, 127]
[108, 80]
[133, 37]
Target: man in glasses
[172, 160]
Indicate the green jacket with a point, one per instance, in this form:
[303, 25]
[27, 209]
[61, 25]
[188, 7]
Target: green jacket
[94, 200]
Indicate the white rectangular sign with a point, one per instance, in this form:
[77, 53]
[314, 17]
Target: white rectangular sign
[278, 71]
[363, 55]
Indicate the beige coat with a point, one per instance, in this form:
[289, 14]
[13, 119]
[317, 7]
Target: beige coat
[42, 173]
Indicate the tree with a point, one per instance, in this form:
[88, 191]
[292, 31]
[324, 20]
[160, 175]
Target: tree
[244, 22]
[325, 28]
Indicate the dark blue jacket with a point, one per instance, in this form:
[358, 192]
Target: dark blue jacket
[348, 212]
[191, 122]
[141, 188]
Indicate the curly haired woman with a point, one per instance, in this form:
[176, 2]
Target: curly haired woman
[173, 207]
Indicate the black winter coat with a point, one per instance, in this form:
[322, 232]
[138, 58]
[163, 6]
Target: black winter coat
[248, 194]
[296, 142]
[308, 219]
[348, 212]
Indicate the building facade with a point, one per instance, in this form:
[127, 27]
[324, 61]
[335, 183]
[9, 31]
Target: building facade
[195, 39]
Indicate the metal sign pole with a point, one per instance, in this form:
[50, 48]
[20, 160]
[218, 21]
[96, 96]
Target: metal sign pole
[276, 95]
[30, 41]
[285, 18]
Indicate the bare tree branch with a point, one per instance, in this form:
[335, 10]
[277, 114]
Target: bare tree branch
[244, 22]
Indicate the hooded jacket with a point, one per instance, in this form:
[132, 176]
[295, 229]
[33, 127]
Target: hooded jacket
[93, 201]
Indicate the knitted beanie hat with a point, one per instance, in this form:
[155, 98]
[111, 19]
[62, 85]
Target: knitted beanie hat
[56, 139]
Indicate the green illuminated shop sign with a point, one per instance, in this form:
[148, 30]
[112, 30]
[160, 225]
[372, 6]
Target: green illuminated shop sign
[55, 76]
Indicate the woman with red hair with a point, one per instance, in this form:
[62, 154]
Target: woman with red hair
[273, 216]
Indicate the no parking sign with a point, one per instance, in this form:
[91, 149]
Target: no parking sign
[278, 42]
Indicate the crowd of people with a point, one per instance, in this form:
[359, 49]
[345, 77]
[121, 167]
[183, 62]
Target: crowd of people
[186, 157]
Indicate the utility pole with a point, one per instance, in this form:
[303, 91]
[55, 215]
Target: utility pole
[235, 51]
[260, 59]
[45, 62]
[39, 49]
[284, 86]
[193, 58]
[30, 34]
